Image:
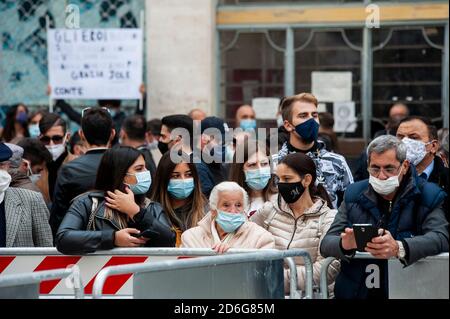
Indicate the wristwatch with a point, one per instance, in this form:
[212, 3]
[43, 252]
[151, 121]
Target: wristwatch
[401, 254]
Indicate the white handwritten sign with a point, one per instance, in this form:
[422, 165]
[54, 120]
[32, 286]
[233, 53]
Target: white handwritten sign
[95, 63]
[344, 117]
[332, 86]
[266, 108]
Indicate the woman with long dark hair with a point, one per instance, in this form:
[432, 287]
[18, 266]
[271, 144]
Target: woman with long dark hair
[177, 188]
[117, 210]
[16, 124]
[301, 216]
[253, 172]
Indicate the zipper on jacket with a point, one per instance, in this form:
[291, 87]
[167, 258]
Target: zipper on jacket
[295, 229]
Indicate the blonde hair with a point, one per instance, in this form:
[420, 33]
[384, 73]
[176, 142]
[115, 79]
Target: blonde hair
[286, 105]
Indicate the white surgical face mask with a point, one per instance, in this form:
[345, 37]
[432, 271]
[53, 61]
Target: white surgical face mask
[387, 186]
[416, 150]
[5, 180]
[56, 150]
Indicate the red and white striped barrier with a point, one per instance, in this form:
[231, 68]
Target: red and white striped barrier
[89, 266]
[27, 260]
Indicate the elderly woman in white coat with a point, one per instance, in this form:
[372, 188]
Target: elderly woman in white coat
[226, 225]
[301, 217]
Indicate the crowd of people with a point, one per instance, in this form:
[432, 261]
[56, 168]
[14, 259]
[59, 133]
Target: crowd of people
[115, 183]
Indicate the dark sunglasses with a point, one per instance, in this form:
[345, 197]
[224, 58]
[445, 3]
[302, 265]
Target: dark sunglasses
[57, 139]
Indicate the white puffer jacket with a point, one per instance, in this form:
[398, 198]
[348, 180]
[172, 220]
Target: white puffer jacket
[304, 232]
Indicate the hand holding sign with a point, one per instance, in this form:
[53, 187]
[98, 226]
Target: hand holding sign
[95, 63]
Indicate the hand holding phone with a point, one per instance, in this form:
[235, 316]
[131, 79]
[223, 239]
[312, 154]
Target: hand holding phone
[364, 233]
[148, 233]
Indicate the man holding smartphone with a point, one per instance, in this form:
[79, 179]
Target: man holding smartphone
[407, 211]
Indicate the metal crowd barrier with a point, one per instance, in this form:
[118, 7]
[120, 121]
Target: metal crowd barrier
[100, 259]
[26, 286]
[216, 265]
[425, 279]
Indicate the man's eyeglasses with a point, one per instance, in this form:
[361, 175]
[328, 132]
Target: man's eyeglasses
[389, 171]
[88, 108]
[57, 139]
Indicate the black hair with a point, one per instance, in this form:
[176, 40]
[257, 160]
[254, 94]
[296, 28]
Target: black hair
[111, 172]
[75, 139]
[97, 126]
[154, 126]
[109, 103]
[35, 151]
[135, 127]
[303, 164]
[50, 120]
[179, 121]
[9, 131]
[113, 168]
[192, 211]
[432, 130]
[42, 112]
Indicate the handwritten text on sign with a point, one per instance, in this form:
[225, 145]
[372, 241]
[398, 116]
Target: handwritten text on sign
[95, 63]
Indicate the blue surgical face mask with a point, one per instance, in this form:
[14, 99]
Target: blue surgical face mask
[308, 130]
[143, 182]
[257, 179]
[229, 222]
[34, 130]
[248, 124]
[181, 188]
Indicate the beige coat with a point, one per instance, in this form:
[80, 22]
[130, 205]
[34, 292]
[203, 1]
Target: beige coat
[248, 236]
[306, 232]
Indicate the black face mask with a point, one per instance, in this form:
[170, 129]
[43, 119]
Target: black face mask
[291, 192]
[163, 147]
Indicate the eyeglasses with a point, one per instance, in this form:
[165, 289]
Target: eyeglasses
[88, 108]
[57, 139]
[375, 171]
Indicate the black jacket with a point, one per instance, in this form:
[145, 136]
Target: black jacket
[440, 176]
[416, 218]
[74, 178]
[53, 170]
[74, 238]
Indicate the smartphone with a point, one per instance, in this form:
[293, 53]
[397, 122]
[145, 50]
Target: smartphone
[364, 233]
[148, 233]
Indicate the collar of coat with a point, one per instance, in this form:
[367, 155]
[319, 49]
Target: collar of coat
[313, 153]
[368, 199]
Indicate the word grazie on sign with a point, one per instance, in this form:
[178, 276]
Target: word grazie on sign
[95, 63]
